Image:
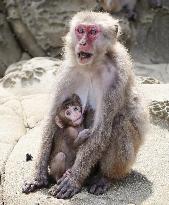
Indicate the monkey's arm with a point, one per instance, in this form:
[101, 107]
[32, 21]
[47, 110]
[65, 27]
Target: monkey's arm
[82, 137]
[48, 129]
[100, 135]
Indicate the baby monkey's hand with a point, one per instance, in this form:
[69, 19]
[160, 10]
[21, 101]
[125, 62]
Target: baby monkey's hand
[82, 137]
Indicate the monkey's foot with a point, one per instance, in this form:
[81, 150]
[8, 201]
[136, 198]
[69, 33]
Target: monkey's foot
[35, 184]
[99, 185]
[52, 191]
[66, 187]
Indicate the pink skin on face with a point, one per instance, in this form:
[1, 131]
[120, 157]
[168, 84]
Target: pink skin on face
[86, 36]
[74, 114]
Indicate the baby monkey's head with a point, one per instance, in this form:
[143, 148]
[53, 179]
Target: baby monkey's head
[70, 112]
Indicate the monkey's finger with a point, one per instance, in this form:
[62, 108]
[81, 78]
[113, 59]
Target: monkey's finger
[106, 188]
[28, 188]
[75, 191]
[92, 188]
[99, 190]
[63, 190]
[67, 194]
[70, 193]
[61, 179]
[53, 190]
[60, 194]
[63, 184]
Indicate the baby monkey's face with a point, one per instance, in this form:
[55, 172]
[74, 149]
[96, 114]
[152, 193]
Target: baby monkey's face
[74, 115]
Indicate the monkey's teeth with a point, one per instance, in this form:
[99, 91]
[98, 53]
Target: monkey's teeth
[84, 55]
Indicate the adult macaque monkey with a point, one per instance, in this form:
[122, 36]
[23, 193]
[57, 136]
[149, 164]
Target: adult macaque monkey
[99, 70]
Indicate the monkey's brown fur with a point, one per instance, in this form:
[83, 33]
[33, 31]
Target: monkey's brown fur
[107, 84]
[73, 100]
[66, 143]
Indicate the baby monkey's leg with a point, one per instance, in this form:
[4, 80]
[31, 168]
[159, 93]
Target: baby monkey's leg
[58, 166]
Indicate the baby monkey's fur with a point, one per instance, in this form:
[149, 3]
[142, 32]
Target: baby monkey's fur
[67, 141]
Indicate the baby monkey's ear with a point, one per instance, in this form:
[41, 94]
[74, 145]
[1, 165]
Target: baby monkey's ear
[58, 122]
[76, 99]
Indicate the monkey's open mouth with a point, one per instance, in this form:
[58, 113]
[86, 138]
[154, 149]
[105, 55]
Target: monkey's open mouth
[84, 55]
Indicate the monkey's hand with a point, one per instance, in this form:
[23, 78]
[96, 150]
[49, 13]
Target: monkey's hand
[66, 186]
[35, 184]
[82, 137]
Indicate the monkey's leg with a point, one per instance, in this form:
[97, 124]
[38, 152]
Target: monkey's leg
[118, 160]
[57, 169]
[58, 166]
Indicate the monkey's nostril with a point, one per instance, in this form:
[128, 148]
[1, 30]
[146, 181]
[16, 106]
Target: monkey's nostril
[83, 43]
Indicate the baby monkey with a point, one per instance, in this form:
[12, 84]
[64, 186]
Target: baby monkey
[66, 143]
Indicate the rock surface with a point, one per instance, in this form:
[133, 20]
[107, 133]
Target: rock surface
[10, 52]
[44, 22]
[157, 71]
[40, 25]
[22, 108]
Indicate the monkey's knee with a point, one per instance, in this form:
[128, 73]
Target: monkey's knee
[115, 170]
[58, 166]
[117, 162]
[119, 158]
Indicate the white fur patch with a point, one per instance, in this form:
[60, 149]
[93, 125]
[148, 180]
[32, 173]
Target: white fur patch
[92, 86]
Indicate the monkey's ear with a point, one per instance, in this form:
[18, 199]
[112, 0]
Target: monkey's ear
[63, 38]
[117, 30]
[66, 38]
[76, 98]
[58, 122]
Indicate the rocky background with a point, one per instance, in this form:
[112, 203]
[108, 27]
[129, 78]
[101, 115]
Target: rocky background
[35, 28]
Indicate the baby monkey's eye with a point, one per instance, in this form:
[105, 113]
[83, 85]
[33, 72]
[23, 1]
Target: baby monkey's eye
[68, 113]
[76, 108]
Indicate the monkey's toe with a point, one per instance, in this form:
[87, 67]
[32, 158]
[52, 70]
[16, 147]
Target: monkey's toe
[28, 187]
[53, 190]
[32, 186]
[99, 186]
[66, 187]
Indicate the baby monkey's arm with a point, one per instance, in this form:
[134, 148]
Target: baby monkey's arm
[82, 137]
[72, 132]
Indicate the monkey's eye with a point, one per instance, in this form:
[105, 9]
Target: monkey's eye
[68, 113]
[93, 31]
[76, 108]
[80, 30]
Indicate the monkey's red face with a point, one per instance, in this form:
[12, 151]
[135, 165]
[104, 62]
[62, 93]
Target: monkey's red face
[74, 115]
[86, 36]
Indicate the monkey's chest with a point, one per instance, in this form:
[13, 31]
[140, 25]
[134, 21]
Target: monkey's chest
[88, 93]
[91, 90]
